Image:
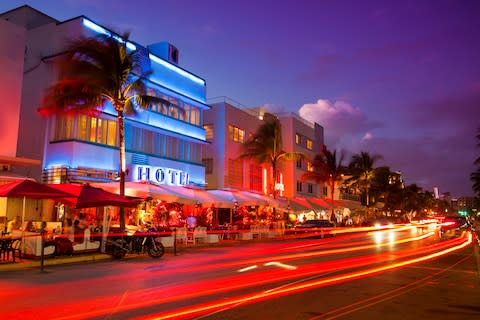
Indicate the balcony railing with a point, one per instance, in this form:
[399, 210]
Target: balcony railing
[348, 196]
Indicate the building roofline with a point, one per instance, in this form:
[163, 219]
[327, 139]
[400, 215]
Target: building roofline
[297, 117]
[129, 40]
[29, 7]
[233, 103]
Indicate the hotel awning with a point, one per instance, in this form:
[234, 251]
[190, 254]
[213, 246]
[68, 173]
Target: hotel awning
[300, 204]
[320, 204]
[141, 189]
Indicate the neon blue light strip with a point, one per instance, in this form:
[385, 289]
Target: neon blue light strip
[176, 69]
[95, 27]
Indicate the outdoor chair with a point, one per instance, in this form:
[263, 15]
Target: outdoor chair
[15, 247]
[4, 245]
[199, 234]
[181, 235]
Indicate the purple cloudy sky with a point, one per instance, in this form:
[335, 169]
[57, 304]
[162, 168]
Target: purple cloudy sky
[396, 78]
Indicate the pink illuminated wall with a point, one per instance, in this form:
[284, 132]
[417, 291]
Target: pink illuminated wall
[12, 47]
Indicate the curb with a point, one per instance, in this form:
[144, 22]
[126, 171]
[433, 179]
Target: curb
[55, 261]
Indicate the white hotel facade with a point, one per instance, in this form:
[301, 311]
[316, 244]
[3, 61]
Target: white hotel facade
[162, 143]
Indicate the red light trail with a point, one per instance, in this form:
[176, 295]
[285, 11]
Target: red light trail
[280, 266]
[191, 311]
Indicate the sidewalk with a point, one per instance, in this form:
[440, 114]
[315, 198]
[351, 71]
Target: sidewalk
[34, 263]
[26, 263]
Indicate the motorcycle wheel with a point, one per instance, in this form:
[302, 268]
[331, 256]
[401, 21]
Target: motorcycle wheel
[118, 251]
[156, 250]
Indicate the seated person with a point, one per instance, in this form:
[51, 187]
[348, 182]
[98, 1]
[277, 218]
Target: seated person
[78, 232]
[13, 224]
[67, 228]
[29, 227]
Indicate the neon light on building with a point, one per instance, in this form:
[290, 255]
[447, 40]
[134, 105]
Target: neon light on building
[176, 69]
[265, 191]
[281, 183]
[95, 27]
[160, 175]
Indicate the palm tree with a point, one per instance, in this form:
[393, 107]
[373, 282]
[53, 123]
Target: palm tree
[265, 147]
[327, 169]
[475, 176]
[383, 190]
[94, 72]
[363, 172]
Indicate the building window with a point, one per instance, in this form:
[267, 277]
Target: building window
[325, 191]
[236, 134]
[91, 129]
[298, 138]
[157, 144]
[299, 163]
[309, 144]
[310, 188]
[235, 173]
[112, 133]
[64, 127]
[93, 136]
[299, 186]
[102, 131]
[208, 163]
[173, 111]
[310, 167]
[195, 116]
[175, 108]
[82, 127]
[208, 131]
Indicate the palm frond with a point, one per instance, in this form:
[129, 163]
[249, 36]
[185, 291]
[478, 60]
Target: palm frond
[475, 178]
[290, 156]
[71, 95]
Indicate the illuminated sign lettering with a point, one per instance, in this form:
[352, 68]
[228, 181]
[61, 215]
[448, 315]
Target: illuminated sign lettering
[160, 175]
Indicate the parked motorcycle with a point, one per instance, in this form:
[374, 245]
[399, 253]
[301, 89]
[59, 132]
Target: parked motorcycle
[139, 242]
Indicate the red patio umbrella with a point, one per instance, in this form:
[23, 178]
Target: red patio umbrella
[28, 188]
[85, 196]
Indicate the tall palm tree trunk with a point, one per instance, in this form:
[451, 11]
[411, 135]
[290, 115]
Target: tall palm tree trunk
[121, 136]
[273, 180]
[367, 197]
[332, 195]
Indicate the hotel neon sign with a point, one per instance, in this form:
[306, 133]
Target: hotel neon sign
[160, 175]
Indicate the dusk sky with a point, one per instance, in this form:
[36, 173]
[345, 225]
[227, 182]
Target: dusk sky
[395, 78]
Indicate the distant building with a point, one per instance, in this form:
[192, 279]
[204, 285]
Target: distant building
[228, 125]
[300, 135]
[466, 204]
[395, 177]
